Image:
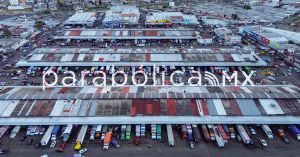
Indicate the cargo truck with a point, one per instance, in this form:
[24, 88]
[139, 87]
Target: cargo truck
[80, 137]
[246, 139]
[128, 132]
[232, 133]
[107, 140]
[93, 132]
[15, 131]
[123, 132]
[211, 132]
[137, 130]
[104, 131]
[222, 133]
[205, 133]
[170, 135]
[226, 129]
[143, 130]
[218, 137]
[153, 131]
[268, 131]
[55, 132]
[67, 132]
[197, 137]
[184, 131]
[189, 133]
[158, 132]
[98, 131]
[47, 136]
[295, 131]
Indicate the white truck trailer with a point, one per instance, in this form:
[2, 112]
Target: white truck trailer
[46, 138]
[170, 135]
[246, 139]
[80, 137]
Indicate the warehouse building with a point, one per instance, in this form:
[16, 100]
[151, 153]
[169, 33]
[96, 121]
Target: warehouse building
[170, 18]
[120, 16]
[82, 19]
[137, 57]
[25, 105]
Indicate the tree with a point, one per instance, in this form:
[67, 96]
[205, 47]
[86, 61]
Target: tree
[234, 16]
[39, 24]
[6, 32]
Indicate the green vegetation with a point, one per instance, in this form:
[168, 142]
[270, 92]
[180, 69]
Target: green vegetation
[39, 24]
[247, 7]
[6, 32]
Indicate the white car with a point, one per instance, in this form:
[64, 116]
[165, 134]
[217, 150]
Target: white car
[252, 131]
[263, 142]
[271, 78]
[83, 150]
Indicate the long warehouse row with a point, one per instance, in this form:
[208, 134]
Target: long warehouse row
[150, 107]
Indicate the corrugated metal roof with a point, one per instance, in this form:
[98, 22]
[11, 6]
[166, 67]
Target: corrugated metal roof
[248, 107]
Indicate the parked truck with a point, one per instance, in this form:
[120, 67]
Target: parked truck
[295, 131]
[128, 132]
[153, 131]
[55, 132]
[67, 132]
[170, 135]
[205, 133]
[268, 131]
[246, 139]
[218, 137]
[123, 132]
[143, 130]
[47, 136]
[137, 130]
[93, 132]
[98, 131]
[104, 131]
[197, 136]
[184, 131]
[107, 140]
[15, 131]
[189, 133]
[80, 137]
[232, 133]
[222, 133]
[211, 132]
[158, 132]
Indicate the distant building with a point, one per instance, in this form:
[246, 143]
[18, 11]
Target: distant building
[119, 16]
[170, 18]
[82, 19]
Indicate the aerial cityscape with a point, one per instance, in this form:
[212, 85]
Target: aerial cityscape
[147, 78]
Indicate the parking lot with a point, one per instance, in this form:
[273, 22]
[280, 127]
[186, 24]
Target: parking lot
[275, 148]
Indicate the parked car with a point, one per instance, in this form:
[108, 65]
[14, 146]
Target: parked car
[192, 146]
[29, 141]
[252, 131]
[263, 142]
[22, 138]
[3, 151]
[83, 150]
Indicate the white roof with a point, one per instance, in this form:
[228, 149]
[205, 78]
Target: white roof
[271, 106]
